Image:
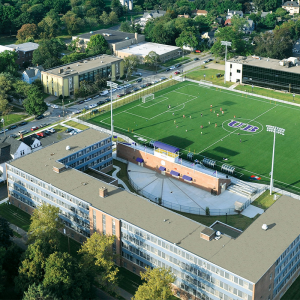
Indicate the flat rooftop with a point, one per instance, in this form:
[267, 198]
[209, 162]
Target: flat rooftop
[113, 37]
[143, 49]
[24, 47]
[83, 66]
[263, 62]
[250, 255]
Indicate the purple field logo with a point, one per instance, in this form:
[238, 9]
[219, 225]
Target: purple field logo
[243, 126]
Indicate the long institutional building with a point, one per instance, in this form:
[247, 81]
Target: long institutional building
[259, 264]
[65, 80]
[270, 73]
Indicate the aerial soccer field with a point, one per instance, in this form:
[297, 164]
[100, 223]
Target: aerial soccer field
[219, 124]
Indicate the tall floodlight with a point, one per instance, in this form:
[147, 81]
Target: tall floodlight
[112, 85]
[279, 131]
[225, 43]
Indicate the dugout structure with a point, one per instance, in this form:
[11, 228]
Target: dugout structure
[165, 151]
[147, 98]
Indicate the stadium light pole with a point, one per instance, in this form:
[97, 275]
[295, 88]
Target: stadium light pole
[112, 85]
[225, 43]
[279, 131]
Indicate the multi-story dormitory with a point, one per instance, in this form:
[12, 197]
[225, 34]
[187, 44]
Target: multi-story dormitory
[259, 264]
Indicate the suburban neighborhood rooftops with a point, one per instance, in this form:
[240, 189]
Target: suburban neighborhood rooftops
[83, 66]
[111, 36]
[143, 49]
[24, 47]
[240, 255]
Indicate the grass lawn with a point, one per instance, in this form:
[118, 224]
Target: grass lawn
[269, 93]
[15, 216]
[240, 134]
[265, 200]
[122, 174]
[76, 125]
[67, 100]
[210, 75]
[7, 40]
[176, 61]
[148, 68]
[128, 280]
[12, 118]
[16, 108]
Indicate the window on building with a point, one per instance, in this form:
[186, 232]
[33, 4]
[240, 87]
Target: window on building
[104, 224]
[238, 71]
[113, 227]
[94, 220]
[230, 66]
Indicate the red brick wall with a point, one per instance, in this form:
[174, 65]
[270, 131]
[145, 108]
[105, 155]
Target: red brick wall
[200, 180]
[99, 228]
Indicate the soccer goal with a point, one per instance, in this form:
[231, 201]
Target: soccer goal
[147, 98]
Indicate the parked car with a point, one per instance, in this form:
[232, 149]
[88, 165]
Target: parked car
[41, 134]
[137, 74]
[198, 51]
[33, 128]
[48, 104]
[139, 80]
[103, 93]
[163, 78]
[12, 127]
[155, 81]
[39, 117]
[107, 100]
[80, 102]
[168, 69]
[94, 111]
[92, 106]
[177, 65]
[54, 106]
[95, 97]
[47, 132]
[68, 130]
[196, 58]
[78, 111]
[148, 84]
[143, 85]
[88, 99]
[120, 95]
[100, 102]
[4, 130]
[210, 59]
[172, 68]
[135, 89]
[177, 72]
[36, 136]
[23, 123]
[52, 130]
[13, 136]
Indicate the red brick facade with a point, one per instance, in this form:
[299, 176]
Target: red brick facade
[200, 180]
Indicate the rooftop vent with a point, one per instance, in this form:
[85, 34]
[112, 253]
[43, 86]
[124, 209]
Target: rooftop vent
[264, 226]
[77, 65]
[68, 148]
[207, 234]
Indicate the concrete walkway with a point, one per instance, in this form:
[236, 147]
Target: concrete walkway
[21, 242]
[114, 175]
[251, 211]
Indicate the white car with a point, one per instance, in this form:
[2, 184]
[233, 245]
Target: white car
[54, 106]
[52, 130]
[104, 93]
[88, 99]
[92, 106]
[172, 68]
[48, 104]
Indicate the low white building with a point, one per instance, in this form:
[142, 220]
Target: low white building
[292, 7]
[165, 52]
[150, 16]
[231, 13]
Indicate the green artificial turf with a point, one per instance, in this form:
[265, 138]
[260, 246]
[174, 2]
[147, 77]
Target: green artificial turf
[251, 153]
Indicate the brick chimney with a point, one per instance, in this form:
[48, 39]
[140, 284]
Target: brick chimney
[103, 192]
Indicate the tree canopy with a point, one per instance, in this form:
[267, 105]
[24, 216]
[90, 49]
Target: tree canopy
[130, 64]
[34, 104]
[97, 44]
[5, 233]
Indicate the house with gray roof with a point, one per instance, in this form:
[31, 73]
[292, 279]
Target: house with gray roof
[32, 73]
[292, 7]
[150, 16]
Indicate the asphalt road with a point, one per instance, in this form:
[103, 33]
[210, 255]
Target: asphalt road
[56, 115]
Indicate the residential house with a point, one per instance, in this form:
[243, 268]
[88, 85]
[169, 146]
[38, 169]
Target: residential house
[292, 7]
[220, 21]
[199, 12]
[150, 16]
[232, 13]
[32, 73]
[265, 13]
[249, 27]
[32, 142]
[209, 36]
[24, 52]
[227, 22]
[11, 148]
[187, 16]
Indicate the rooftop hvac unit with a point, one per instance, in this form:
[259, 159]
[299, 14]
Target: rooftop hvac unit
[264, 226]
[68, 148]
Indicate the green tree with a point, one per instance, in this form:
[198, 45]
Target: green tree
[38, 292]
[8, 61]
[37, 12]
[66, 279]
[152, 59]
[5, 233]
[157, 285]
[49, 27]
[238, 23]
[97, 44]
[34, 105]
[72, 22]
[2, 272]
[12, 260]
[8, 15]
[48, 53]
[104, 18]
[73, 57]
[97, 256]
[188, 39]
[45, 222]
[130, 64]
[113, 18]
[117, 7]
[27, 31]
[125, 27]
